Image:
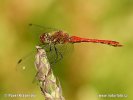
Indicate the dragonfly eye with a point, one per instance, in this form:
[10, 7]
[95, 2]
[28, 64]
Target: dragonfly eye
[42, 38]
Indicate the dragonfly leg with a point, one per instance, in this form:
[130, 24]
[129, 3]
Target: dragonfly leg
[58, 53]
[49, 48]
[45, 46]
[61, 56]
[52, 47]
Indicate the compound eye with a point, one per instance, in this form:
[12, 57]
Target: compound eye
[42, 38]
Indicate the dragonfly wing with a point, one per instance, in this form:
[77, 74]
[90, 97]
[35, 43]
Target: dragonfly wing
[41, 29]
[63, 50]
[26, 63]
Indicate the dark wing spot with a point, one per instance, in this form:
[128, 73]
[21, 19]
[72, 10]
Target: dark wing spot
[20, 60]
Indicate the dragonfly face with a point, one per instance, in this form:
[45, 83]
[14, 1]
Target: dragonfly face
[45, 38]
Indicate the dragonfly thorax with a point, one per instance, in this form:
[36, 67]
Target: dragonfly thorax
[57, 37]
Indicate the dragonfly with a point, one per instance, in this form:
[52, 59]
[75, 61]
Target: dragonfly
[54, 41]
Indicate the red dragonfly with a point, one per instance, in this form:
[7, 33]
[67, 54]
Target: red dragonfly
[51, 40]
[60, 37]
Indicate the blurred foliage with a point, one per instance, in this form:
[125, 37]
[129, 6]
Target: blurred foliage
[91, 69]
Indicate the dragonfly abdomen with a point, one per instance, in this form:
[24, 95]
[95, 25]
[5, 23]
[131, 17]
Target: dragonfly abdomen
[75, 39]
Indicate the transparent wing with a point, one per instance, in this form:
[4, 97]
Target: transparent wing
[65, 49]
[26, 63]
[59, 52]
[36, 30]
[41, 29]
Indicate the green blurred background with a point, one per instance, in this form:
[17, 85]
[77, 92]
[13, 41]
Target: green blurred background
[91, 69]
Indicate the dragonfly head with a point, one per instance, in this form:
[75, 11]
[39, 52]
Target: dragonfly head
[44, 38]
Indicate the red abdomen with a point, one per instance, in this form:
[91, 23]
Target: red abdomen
[75, 39]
